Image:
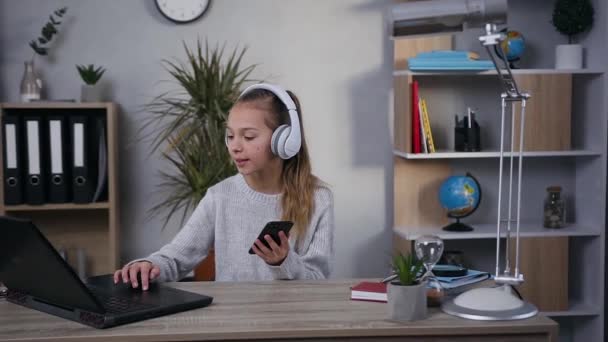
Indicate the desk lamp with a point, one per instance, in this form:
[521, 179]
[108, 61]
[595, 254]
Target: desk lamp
[433, 17]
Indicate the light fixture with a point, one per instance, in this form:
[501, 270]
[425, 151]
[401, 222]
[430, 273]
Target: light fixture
[434, 17]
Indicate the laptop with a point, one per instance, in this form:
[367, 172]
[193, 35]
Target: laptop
[37, 277]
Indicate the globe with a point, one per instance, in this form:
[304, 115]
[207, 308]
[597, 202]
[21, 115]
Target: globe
[460, 196]
[513, 46]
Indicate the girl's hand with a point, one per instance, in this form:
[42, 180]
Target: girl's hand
[129, 273]
[274, 255]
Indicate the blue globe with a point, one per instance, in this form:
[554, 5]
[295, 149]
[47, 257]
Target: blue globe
[513, 46]
[460, 195]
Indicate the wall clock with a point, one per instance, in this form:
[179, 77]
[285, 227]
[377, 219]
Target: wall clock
[182, 11]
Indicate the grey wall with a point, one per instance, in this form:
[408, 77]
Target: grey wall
[334, 54]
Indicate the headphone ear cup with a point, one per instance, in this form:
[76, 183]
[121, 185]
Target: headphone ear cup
[277, 143]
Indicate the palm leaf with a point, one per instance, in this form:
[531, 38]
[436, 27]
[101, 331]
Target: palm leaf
[186, 126]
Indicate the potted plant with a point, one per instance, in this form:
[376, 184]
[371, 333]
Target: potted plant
[31, 84]
[571, 17]
[90, 91]
[407, 294]
[187, 125]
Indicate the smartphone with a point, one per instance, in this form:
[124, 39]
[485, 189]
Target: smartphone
[449, 271]
[273, 228]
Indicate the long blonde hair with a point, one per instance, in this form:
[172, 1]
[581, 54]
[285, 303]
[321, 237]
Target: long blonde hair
[299, 183]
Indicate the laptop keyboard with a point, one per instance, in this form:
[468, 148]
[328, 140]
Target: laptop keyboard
[118, 305]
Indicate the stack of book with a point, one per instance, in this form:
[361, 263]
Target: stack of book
[376, 291]
[448, 60]
[422, 136]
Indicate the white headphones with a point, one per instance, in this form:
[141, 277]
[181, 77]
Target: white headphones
[286, 139]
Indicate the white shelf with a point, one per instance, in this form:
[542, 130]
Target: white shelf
[493, 72]
[493, 154]
[575, 309]
[488, 231]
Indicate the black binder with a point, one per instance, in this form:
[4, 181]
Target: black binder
[13, 182]
[35, 191]
[58, 179]
[83, 158]
[101, 190]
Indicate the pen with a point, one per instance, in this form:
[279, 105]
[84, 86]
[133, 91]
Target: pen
[389, 278]
[469, 115]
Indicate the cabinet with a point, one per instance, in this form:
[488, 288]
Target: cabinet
[93, 227]
[565, 144]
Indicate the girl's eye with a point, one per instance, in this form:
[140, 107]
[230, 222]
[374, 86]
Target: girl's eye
[249, 138]
[229, 137]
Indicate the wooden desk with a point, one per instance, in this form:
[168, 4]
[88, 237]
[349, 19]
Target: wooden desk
[294, 310]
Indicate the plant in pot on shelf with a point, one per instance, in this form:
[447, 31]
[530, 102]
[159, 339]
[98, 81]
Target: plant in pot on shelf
[90, 91]
[571, 17]
[31, 84]
[407, 294]
[187, 125]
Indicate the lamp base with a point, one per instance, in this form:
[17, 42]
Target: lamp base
[458, 227]
[489, 304]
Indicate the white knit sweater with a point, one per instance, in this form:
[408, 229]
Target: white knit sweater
[229, 219]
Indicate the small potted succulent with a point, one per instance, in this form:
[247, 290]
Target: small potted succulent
[571, 17]
[407, 293]
[90, 91]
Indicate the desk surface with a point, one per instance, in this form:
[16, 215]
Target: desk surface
[275, 310]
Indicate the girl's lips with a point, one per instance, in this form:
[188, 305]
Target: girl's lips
[241, 162]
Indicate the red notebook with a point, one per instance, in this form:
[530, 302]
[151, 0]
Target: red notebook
[370, 291]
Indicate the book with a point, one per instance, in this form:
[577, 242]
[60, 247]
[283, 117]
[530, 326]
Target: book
[471, 277]
[415, 119]
[426, 124]
[369, 291]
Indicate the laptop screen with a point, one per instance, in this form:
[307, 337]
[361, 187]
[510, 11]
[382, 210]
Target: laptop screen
[30, 264]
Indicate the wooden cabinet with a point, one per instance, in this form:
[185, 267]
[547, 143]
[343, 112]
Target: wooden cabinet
[92, 227]
[564, 143]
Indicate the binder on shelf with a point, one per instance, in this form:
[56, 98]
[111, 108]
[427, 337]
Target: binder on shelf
[101, 191]
[35, 190]
[82, 187]
[13, 182]
[58, 178]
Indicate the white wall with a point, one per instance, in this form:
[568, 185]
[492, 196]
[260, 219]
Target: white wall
[334, 54]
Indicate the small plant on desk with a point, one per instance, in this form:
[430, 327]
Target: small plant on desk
[407, 294]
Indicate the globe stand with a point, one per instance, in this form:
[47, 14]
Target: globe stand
[458, 227]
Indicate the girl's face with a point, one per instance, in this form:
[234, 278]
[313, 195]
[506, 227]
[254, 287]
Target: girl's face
[249, 138]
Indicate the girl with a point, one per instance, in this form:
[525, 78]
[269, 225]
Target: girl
[274, 182]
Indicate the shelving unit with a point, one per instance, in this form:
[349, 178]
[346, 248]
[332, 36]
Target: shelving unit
[565, 144]
[93, 227]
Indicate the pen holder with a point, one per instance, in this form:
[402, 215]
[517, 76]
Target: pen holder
[467, 139]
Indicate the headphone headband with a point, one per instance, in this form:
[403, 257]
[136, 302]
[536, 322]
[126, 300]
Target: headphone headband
[287, 139]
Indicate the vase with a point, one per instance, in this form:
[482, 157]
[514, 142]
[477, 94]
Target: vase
[406, 303]
[31, 84]
[90, 93]
[554, 208]
[569, 56]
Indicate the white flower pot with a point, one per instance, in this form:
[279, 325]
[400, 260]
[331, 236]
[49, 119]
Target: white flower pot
[91, 93]
[569, 56]
[406, 303]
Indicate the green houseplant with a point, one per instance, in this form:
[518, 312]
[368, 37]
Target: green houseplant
[90, 91]
[187, 125]
[31, 84]
[570, 18]
[407, 294]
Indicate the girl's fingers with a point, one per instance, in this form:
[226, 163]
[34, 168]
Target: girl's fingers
[125, 274]
[133, 270]
[262, 247]
[155, 272]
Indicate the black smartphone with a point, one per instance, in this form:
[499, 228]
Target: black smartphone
[273, 228]
[449, 271]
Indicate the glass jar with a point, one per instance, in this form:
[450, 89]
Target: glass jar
[554, 208]
[31, 85]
